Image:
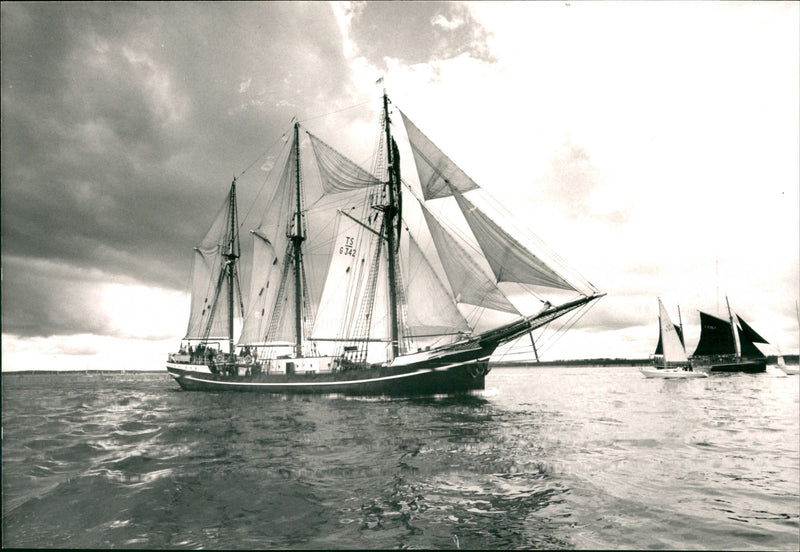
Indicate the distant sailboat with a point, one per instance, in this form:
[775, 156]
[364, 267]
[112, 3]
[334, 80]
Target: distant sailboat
[790, 370]
[672, 361]
[728, 345]
[365, 284]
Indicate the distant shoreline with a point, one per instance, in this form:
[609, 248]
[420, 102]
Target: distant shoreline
[577, 362]
[771, 359]
[590, 362]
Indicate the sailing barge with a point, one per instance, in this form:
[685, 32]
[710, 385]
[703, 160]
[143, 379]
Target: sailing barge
[728, 345]
[361, 283]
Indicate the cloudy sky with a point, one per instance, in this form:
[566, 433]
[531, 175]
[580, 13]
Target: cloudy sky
[652, 144]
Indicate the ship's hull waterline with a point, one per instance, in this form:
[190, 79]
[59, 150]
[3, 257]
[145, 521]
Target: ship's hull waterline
[744, 366]
[428, 377]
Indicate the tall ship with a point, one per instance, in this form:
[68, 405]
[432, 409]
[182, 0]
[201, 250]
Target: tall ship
[363, 282]
[728, 345]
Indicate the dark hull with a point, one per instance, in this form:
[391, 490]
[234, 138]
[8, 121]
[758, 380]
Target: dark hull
[452, 369]
[746, 366]
[429, 377]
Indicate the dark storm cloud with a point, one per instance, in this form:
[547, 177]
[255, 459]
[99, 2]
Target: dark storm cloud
[417, 32]
[122, 125]
[51, 299]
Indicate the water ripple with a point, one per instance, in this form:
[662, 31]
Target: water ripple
[545, 458]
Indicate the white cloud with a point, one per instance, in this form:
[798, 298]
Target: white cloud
[688, 115]
[169, 104]
[445, 23]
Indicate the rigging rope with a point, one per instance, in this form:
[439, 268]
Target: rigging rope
[334, 112]
[266, 178]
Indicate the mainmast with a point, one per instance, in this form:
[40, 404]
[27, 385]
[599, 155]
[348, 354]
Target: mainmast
[231, 255]
[297, 240]
[390, 211]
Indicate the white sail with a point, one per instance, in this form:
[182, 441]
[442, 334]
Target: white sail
[270, 243]
[337, 172]
[345, 293]
[510, 260]
[438, 175]
[209, 300]
[672, 346]
[468, 282]
[431, 308]
[265, 282]
[346, 272]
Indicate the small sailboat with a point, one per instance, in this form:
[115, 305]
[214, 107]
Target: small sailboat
[672, 362]
[790, 370]
[361, 283]
[728, 345]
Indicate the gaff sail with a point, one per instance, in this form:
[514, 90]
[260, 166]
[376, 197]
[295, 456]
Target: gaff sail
[716, 338]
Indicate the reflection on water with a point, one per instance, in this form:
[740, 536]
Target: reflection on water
[545, 458]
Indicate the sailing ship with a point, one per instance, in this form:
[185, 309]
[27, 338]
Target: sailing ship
[728, 345]
[363, 283]
[670, 360]
[789, 370]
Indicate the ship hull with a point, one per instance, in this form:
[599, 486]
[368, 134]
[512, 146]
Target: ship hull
[424, 378]
[752, 366]
[670, 373]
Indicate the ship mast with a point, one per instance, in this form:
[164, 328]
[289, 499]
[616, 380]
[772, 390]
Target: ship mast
[737, 348]
[231, 255]
[297, 240]
[390, 211]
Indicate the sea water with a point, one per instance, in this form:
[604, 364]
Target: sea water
[561, 457]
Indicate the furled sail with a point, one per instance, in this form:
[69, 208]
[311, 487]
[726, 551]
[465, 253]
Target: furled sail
[209, 301]
[509, 259]
[438, 175]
